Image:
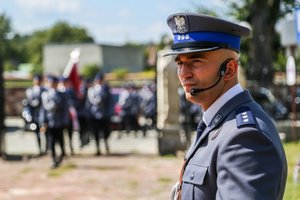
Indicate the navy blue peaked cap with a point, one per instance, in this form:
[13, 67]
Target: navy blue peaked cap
[63, 79]
[52, 79]
[99, 76]
[37, 77]
[199, 32]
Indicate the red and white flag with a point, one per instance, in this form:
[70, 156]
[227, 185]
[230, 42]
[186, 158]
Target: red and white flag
[71, 71]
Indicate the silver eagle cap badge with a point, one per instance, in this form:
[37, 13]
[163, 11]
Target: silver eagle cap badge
[181, 26]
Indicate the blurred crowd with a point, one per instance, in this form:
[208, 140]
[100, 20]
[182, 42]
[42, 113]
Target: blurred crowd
[55, 107]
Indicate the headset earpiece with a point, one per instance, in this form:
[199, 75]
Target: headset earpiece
[223, 67]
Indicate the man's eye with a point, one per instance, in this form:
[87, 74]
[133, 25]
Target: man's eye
[179, 63]
[196, 61]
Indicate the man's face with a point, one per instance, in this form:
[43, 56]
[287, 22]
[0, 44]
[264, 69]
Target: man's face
[53, 84]
[98, 82]
[200, 70]
[36, 82]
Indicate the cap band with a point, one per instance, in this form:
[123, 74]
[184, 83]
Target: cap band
[207, 39]
[200, 45]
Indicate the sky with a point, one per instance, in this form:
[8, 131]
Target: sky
[107, 21]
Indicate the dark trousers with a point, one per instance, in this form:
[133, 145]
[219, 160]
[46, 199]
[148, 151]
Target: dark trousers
[38, 137]
[56, 136]
[100, 126]
[83, 132]
[70, 136]
[130, 123]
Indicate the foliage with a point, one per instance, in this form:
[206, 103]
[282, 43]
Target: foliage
[16, 49]
[280, 62]
[38, 69]
[241, 10]
[165, 41]
[34, 46]
[12, 48]
[262, 16]
[62, 32]
[8, 66]
[89, 71]
[207, 11]
[17, 83]
[120, 73]
[292, 191]
[5, 30]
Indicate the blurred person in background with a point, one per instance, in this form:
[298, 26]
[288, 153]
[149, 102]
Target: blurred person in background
[130, 108]
[54, 118]
[33, 105]
[148, 106]
[237, 152]
[73, 125]
[82, 113]
[99, 102]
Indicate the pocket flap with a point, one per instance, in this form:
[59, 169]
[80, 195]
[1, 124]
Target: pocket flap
[194, 174]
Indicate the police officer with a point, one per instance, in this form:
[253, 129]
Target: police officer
[65, 87]
[148, 106]
[54, 117]
[100, 110]
[237, 152]
[33, 97]
[130, 108]
[82, 113]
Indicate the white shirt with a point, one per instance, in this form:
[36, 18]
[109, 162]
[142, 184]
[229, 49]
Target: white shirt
[215, 107]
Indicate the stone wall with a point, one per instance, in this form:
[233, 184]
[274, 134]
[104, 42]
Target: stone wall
[13, 101]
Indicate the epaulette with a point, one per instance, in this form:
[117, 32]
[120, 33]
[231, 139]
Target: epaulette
[244, 117]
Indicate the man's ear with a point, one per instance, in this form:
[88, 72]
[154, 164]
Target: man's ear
[231, 70]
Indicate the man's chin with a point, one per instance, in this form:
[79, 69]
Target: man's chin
[190, 97]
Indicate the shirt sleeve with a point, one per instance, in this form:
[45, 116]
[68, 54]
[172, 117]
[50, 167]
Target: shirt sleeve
[248, 167]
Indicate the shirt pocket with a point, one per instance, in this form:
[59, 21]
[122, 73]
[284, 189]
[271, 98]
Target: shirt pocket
[194, 174]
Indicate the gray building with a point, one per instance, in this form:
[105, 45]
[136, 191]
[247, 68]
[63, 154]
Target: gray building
[56, 57]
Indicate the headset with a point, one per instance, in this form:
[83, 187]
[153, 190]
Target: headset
[221, 73]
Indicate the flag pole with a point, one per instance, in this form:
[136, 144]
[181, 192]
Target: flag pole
[74, 58]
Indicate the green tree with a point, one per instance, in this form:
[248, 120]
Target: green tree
[12, 45]
[5, 29]
[264, 45]
[61, 32]
[17, 50]
[34, 46]
[90, 70]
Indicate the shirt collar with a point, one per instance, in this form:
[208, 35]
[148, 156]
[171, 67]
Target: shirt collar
[213, 109]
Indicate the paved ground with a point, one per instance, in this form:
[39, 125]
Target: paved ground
[17, 141]
[132, 171]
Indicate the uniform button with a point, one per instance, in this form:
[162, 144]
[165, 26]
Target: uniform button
[192, 176]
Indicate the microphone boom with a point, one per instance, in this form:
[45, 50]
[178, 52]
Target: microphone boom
[196, 91]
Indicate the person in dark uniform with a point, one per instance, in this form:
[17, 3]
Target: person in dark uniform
[82, 114]
[65, 87]
[237, 152]
[54, 118]
[100, 111]
[130, 108]
[33, 97]
[148, 106]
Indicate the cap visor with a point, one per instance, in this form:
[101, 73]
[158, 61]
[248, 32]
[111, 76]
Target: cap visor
[187, 50]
